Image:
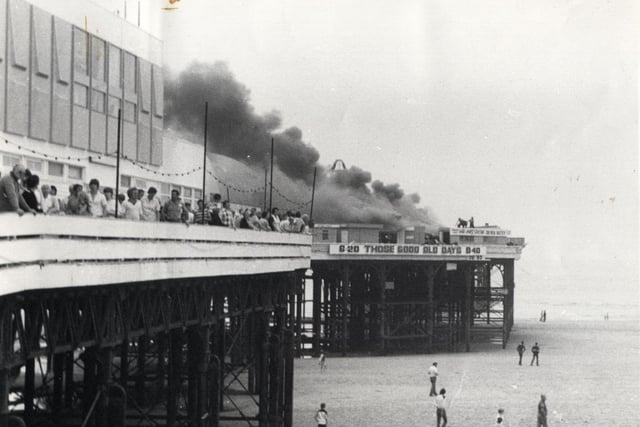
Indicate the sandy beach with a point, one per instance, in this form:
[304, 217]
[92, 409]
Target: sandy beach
[589, 370]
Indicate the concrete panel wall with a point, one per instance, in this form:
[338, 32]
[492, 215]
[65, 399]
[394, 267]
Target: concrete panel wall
[3, 57]
[144, 116]
[61, 99]
[17, 114]
[62, 84]
[157, 106]
[40, 117]
[114, 100]
[98, 62]
[81, 89]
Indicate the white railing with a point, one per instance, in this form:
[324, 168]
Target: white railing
[41, 252]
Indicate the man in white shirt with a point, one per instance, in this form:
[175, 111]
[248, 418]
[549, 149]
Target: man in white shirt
[97, 201]
[441, 412]
[132, 208]
[433, 374]
[151, 206]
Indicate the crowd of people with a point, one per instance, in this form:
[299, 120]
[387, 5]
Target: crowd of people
[21, 192]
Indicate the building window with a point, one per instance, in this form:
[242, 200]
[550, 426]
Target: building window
[34, 165]
[197, 194]
[8, 160]
[81, 52]
[98, 59]
[80, 95]
[187, 192]
[130, 65]
[125, 181]
[115, 67]
[75, 172]
[97, 101]
[130, 112]
[141, 184]
[325, 234]
[114, 105]
[56, 169]
[164, 188]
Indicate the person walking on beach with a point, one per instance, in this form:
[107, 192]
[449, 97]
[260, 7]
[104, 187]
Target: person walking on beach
[535, 350]
[322, 363]
[321, 416]
[441, 412]
[500, 421]
[542, 412]
[521, 349]
[433, 375]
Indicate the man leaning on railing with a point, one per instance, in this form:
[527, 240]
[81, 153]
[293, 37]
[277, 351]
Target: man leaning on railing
[11, 199]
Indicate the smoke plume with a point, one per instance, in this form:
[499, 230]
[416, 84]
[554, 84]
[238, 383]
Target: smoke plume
[235, 130]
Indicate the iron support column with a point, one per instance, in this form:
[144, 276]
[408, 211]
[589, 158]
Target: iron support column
[175, 363]
[468, 283]
[202, 366]
[317, 302]
[4, 397]
[68, 379]
[58, 377]
[89, 388]
[288, 379]
[143, 343]
[431, 274]
[104, 376]
[29, 390]
[345, 306]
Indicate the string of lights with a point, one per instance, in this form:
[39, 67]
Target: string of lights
[252, 190]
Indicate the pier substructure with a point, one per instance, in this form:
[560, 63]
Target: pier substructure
[199, 352]
[382, 306]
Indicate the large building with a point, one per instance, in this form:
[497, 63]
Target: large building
[66, 68]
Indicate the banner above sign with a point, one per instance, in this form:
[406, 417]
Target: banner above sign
[490, 232]
[467, 252]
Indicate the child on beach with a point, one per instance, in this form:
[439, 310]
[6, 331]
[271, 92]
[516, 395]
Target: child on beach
[441, 412]
[322, 362]
[321, 416]
[521, 349]
[542, 412]
[500, 421]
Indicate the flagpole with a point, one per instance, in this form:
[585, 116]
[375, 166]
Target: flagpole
[313, 192]
[271, 180]
[266, 172]
[204, 160]
[118, 138]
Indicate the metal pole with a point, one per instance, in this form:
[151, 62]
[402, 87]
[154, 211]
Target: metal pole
[313, 193]
[266, 172]
[118, 159]
[204, 159]
[271, 180]
[228, 197]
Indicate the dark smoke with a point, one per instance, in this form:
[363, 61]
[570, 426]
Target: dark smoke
[235, 130]
[391, 192]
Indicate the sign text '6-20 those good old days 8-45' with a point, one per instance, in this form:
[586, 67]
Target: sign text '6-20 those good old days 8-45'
[467, 252]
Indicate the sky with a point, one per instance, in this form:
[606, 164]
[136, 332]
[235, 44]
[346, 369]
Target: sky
[522, 114]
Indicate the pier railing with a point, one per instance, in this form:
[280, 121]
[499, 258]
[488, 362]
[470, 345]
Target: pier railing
[44, 252]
